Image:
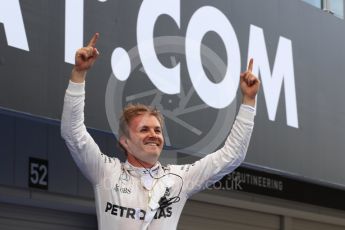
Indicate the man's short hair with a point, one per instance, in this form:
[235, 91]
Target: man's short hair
[133, 110]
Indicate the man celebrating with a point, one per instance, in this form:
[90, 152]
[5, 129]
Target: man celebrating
[140, 193]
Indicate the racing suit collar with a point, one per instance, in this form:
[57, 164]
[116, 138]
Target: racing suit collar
[140, 171]
[147, 176]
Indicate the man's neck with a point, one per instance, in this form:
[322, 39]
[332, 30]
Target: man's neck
[138, 163]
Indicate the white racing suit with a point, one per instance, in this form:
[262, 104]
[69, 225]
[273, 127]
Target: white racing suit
[128, 197]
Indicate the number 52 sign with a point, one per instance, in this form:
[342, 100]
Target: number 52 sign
[38, 173]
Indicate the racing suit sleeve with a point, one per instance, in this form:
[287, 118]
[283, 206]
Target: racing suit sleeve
[214, 166]
[81, 145]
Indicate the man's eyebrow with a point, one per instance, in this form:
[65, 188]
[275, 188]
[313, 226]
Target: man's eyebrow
[146, 126]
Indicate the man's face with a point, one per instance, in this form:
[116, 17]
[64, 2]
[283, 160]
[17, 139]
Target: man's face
[145, 140]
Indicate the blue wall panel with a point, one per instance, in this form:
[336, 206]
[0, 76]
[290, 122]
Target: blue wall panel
[24, 136]
[31, 141]
[7, 148]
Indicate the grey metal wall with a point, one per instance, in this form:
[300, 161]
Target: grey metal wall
[34, 81]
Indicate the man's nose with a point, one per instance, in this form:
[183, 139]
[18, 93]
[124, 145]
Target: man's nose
[152, 133]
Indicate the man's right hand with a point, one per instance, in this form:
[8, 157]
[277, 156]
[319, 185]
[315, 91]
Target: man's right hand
[84, 59]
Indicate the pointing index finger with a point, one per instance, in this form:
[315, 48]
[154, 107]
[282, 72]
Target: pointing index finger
[250, 65]
[93, 40]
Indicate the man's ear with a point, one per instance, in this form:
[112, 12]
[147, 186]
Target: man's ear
[123, 141]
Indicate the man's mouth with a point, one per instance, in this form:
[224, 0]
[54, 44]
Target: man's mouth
[151, 143]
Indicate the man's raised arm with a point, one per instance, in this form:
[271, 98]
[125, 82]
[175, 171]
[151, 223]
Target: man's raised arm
[83, 148]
